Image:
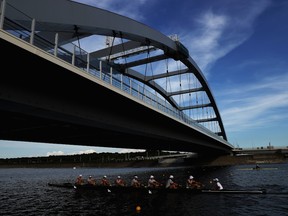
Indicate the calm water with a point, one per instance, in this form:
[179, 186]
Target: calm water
[25, 192]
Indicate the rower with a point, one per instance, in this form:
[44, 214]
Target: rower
[217, 184]
[79, 180]
[191, 183]
[91, 180]
[105, 181]
[152, 183]
[119, 182]
[171, 184]
[135, 182]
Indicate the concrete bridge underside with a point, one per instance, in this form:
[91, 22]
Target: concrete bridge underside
[43, 102]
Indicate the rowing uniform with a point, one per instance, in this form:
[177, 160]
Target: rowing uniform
[105, 182]
[91, 181]
[119, 181]
[170, 183]
[218, 185]
[135, 182]
[79, 180]
[152, 183]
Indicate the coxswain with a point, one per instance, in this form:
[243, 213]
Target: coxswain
[152, 183]
[105, 181]
[217, 184]
[171, 184]
[135, 182]
[119, 182]
[79, 180]
[91, 180]
[191, 183]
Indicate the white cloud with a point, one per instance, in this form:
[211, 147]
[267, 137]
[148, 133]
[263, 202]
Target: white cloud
[55, 153]
[255, 104]
[131, 150]
[88, 151]
[214, 34]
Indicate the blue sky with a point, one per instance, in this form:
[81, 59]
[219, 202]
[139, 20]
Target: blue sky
[241, 46]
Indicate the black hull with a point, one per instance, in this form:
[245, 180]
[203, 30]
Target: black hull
[63, 185]
[146, 190]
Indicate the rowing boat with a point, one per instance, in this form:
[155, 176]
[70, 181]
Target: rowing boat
[128, 189]
[261, 168]
[261, 191]
[147, 190]
[62, 185]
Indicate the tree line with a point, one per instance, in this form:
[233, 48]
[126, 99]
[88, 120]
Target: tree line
[92, 158]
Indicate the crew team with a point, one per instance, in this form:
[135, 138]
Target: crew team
[191, 183]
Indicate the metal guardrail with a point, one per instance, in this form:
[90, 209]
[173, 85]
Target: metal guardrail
[78, 57]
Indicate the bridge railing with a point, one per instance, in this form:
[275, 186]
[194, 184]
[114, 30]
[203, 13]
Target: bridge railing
[25, 29]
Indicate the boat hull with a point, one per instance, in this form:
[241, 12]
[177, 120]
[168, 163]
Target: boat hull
[147, 190]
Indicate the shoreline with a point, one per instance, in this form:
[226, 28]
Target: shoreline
[181, 162]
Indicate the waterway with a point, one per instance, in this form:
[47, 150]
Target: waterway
[24, 191]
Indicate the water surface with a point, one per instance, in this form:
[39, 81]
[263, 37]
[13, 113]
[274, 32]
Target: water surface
[24, 191]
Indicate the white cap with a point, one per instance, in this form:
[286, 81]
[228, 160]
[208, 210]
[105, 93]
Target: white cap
[215, 179]
[171, 176]
[104, 176]
[151, 176]
[80, 175]
[191, 177]
[118, 177]
[136, 176]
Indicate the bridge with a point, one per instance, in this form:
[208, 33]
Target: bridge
[137, 89]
